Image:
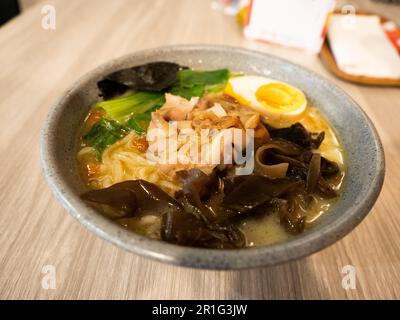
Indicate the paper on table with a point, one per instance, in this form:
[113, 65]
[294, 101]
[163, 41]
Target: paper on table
[361, 47]
[289, 22]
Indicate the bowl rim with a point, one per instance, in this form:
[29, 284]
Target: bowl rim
[216, 259]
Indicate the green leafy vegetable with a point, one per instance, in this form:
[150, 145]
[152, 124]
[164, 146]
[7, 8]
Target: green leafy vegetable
[139, 122]
[188, 84]
[133, 112]
[189, 77]
[103, 134]
[194, 83]
[122, 109]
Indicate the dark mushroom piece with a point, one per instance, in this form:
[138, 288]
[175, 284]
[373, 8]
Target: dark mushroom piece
[329, 168]
[314, 172]
[300, 164]
[188, 230]
[133, 197]
[255, 191]
[179, 222]
[197, 187]
[297, 134]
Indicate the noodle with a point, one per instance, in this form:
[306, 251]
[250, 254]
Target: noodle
[121, 162]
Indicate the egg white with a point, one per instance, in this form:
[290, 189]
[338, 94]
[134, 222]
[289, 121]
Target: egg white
[244, 89]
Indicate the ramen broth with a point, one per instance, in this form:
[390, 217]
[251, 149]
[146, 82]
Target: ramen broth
[258, 231]
[298, 160]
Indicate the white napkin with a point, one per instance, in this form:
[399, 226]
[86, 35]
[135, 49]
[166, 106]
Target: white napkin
[291, 23]
[361, 47]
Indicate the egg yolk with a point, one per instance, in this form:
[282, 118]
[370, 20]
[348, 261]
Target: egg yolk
[280, 96]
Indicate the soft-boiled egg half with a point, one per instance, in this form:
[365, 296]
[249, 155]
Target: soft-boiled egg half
[277, 101]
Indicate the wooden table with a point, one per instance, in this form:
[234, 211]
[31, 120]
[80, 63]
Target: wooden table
[37, 65]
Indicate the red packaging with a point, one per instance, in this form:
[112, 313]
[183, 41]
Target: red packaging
[393, 33]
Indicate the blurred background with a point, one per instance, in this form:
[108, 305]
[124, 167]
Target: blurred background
[357, 40]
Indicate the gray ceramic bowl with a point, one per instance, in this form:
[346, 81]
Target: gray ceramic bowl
[365, 158]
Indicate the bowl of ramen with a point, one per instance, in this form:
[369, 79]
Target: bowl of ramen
[212, 157]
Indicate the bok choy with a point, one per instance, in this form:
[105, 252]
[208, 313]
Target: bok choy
[121, 109]
[190, 83]
[103, 134]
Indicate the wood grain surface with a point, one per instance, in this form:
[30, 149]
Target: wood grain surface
[37, 65]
